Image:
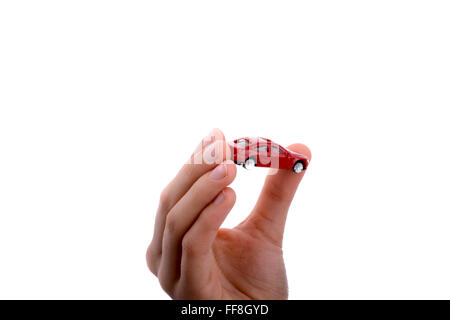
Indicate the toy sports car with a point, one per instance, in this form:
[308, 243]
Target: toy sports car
[261, 152]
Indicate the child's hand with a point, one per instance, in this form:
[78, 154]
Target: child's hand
[193, 259]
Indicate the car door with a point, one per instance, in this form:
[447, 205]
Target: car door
[278, 157]
[263, 155]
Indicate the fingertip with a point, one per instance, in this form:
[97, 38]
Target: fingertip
[229, 195]
[222, 205]
[231, 169]
[302, 149]
[222, 145]
[217, 134]
[213, 136]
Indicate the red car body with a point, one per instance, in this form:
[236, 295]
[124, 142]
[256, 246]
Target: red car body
[266, 154]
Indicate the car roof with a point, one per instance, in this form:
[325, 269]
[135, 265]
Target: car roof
[255, 139]
[260, 141]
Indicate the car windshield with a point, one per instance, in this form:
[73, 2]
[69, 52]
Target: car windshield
[276, 149]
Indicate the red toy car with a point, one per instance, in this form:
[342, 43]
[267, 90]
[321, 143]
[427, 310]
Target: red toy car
[261, 152]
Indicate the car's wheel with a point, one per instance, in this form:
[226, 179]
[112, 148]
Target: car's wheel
[250, 163]
[298, 167]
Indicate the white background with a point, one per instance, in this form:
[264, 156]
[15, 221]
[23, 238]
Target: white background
[102, 101]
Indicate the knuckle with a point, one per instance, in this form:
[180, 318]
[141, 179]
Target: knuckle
[165, 285]
[164, 199]
[188, 246]
[152, 250]
[152, 259]
[171, 223]
[189, 170]
[275, 194]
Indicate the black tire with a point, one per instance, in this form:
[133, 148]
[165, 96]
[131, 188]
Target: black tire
[298, 167]
[250, 163]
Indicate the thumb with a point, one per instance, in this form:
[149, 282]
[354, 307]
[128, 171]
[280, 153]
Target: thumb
[268, 217]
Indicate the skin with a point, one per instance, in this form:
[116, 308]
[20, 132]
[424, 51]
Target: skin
[193, 258]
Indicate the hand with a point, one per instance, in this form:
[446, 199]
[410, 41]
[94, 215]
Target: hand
[193, 258]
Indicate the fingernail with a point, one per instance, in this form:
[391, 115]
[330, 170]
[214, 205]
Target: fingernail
[219, 198]
[219, 172]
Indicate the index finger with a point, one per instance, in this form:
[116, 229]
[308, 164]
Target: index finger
[211, 151]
